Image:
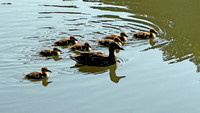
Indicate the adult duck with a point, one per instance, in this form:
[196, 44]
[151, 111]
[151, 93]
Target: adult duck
[38, 74]
[66, 41]
[50, 52]
[145, 35]
[107, 42]
[81, 47]
[122, 36]
[98, 58]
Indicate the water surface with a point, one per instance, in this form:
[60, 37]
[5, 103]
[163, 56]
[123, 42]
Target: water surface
[152, 76]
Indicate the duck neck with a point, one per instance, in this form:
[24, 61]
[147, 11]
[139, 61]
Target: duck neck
[45, 74]
[111, 52]
[153, 35]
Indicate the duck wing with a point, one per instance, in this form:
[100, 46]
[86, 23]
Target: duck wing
[91, 58]
[105, 42]
[46, 52]
[61, 42]
[76, 47]
[34, 75]
[111, 36]
[142, 34]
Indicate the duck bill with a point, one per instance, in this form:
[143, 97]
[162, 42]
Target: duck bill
[126, 35]
[48, 70]
[76, 39]
[121, 48]
[156, 32]
[60, 51]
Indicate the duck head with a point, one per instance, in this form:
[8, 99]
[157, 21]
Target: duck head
[45, 69]
[57, 50]
[87, 44]
[114, 46]
[152, 30]
[123, 34]
[72, 37]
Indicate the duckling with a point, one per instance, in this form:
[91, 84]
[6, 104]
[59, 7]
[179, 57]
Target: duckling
[146, 35]
[122, 36]
[98, 58]
[66, 41]
[106, 42]
[38, 74]
[50, 52]
[81, 47]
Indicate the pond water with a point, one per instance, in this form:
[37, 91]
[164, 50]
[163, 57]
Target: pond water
[152, 76]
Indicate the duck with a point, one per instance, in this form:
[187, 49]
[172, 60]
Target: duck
[145, 35]
[106, 42]
[38, 74]
[98, 58]
[50, 52]
[81, 47]
[122, 36]
[66, 41]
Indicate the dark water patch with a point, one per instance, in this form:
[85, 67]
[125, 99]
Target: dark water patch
[45, 17]
[63, 13]
[74, 29]
[106, 16]
[32, 37]
[77, 24]
[60, 6]
[61, 33]
[93, 21]
[91, 0]
[111, 27]
[116, 9]
[97, 32]
[46, 40]
[6, 3]
[47, 28]
[76, 19]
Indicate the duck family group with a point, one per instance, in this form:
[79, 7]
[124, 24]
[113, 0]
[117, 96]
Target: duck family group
[86, 57]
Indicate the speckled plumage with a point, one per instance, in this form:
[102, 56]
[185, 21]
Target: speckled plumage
[145, 35]
[81, 47]
[50, 52]
[122, 36]
[38, 74]
[66, 41]
[98, 58]
[107, 42]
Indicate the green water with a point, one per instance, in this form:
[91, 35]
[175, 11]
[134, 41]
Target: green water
[159, 76]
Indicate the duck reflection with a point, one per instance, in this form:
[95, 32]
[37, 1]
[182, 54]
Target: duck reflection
[56, 58]
[152, 42]
[98, 70]
[45, 81]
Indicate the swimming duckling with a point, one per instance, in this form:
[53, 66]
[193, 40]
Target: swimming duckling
[66, 41]
[50, 52]
[146, 35]
[122, 36]
[81, 47]
[38, 74]
[106, 42]
[98, 58]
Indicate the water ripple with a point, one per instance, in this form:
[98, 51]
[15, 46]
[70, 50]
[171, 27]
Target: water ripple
[63, 13]
[60, 6]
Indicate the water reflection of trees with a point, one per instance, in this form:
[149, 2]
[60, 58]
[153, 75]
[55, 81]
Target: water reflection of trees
[98, 70]
[180, 24]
